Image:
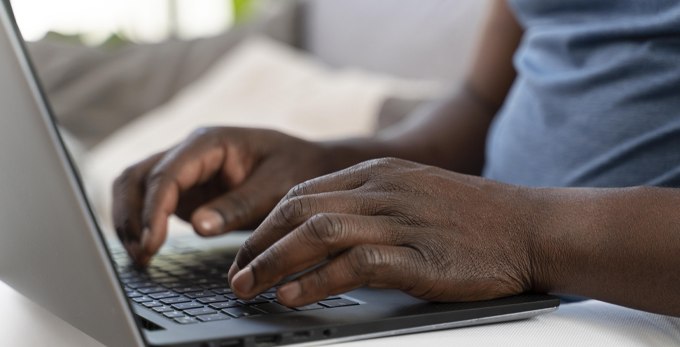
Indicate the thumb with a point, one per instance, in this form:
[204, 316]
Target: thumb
[238, 208]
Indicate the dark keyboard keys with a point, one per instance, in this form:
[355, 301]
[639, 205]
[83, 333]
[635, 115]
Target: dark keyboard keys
[201, 294]
[150, 290]
[183, 290]
[338, 303]
[186, 320]
[226, 304]
[309, 307]
[142, 299]
[174, 300]
[213, 317]
[133, 295]
[186, 306]
[141, 284]
[161, 309]
[153, 303]
[238, 312]
[332, 298]
[163, 295]
[253, 301]
[174, 314]
[172, 285]
[200, 311]
[222, 290]
[212, 299]
[272, 308]
[269, 296]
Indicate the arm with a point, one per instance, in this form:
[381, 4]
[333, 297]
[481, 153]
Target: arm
[616, 245]
[443, 236]
[451, 134]
[223, 179]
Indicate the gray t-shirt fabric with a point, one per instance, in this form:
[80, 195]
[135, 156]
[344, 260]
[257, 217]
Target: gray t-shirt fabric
[597, 99]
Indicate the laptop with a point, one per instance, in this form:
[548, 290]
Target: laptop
[53, 251]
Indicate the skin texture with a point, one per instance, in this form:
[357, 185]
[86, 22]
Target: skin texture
[418, 223]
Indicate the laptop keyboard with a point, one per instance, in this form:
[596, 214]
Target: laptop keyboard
[190, 286]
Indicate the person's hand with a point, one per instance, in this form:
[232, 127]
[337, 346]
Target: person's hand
[219, 179]
[389, 223]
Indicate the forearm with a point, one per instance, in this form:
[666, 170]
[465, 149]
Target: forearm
[450, 134]
[617, 245]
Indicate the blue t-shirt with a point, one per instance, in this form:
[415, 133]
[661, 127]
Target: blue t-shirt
[597, 97]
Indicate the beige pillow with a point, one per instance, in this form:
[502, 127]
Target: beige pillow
[261, 83]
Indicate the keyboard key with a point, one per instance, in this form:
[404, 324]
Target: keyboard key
[222, 290]
[186, 306]
[202, 294]
[237, 312]
[332, 297]
[150, 290]
[212, 299]
[167, 280]
[214, 286]
[153, 303]
[253, 301]
[186, 320]
[227, 304]
[271, 290]
[338, 303]
[161, 309]
[213, 317]
[309, 307]
[163, 295]
[272, 308]
[268, 296]
[174, 314]
[141, 284]
[174, 300]
[183, 290]
[179, 284]
[200, 311]
[142, 299]
[133, 295]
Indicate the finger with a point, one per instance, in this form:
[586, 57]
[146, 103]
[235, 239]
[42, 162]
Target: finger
[128, 198]
[240, 207]
[314, 241]
[349, 178]
[188, 165]
[292, 213]
[377, 266]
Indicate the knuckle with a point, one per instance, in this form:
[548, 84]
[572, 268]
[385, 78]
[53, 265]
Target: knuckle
[247, 252]
[237, 206]
[322, 278]
[293, 209]
[365, 260]
[299, 190]
[326, 229]
[269, 261]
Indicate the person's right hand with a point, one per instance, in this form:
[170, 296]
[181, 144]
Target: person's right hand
[219, 179]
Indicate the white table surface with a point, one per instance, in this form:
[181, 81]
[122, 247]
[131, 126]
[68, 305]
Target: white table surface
[593, 323]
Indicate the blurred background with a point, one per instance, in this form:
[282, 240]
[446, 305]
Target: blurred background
[129, 78]
[93, 22]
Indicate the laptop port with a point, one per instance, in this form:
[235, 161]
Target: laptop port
[302, 335]
[267, 341]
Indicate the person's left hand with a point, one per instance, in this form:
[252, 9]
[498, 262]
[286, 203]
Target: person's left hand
[389, 223]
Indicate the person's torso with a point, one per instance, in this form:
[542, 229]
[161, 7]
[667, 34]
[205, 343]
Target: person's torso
[597, 97]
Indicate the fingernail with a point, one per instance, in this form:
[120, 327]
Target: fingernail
[289, 291]
[233, 271]
[244, 280]
[210, 222]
